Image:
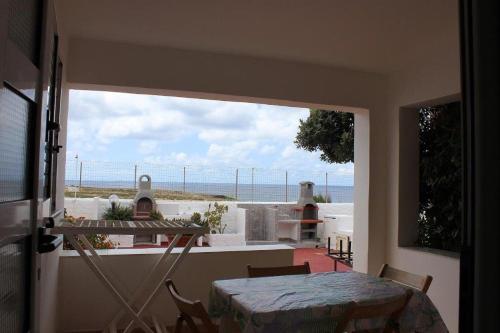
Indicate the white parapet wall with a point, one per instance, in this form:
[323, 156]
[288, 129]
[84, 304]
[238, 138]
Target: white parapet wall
[240, 216]
[93, 208]
[86, 305]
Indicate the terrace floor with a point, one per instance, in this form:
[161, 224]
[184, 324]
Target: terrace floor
[316, 257]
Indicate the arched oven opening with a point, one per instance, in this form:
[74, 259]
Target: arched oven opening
[144, 207]
[310, 212]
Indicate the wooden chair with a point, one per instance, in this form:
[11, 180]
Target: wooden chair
[188, 311]
[390, 310]
[418, 282]
[277, 271]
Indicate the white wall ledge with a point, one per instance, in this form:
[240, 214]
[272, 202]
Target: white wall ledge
[177, 250]
[437, 252]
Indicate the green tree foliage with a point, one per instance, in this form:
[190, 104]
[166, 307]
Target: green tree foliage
[330, 132]
[440, 211]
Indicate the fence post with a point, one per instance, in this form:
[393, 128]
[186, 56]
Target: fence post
[252, 185]
[80, 183]
[184, 181]
[135, 177]
[236, 187]
[286, 185]
[326, 187]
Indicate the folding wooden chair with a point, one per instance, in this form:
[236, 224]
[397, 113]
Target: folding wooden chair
[418, 282]
[277, 271]
[188, 311]
[390, 311]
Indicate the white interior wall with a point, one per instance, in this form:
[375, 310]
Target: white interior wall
[434, 80]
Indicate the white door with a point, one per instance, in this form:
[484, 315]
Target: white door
[27, 138]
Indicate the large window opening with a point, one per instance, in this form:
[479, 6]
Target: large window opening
[253, 160]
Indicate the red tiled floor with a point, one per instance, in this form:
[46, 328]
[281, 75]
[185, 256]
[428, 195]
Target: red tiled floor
[317, 259]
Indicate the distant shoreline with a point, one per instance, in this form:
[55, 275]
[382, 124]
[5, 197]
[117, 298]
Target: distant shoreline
[210, 191]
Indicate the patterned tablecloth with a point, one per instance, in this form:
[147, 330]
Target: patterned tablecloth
[313, 303]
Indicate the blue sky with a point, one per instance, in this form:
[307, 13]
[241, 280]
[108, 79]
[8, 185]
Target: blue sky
[107, 126]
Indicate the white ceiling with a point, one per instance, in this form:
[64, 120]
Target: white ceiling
[372, 35]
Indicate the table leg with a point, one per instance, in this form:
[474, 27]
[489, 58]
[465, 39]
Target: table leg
[227, 324]
[157, 325]
[102, 266]
[91, 264]
[170, 271]
[137, 293]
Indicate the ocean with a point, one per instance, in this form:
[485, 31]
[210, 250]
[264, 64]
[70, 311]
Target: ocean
[242, 192]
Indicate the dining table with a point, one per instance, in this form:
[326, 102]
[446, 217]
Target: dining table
[314, 303]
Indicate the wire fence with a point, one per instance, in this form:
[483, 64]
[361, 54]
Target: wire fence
[240, 184]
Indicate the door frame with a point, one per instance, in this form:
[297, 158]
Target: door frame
[480, 76]
[42, 206]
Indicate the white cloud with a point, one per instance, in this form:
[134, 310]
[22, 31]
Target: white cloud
[288, 151]
[267, 149]
[234, 154]
[345, 170]
[162, 130]
[147, 147]
[104, 117]
[177, 159]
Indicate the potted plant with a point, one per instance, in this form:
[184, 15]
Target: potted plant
[213, 219]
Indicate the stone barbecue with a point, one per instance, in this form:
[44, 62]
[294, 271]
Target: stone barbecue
[306, 208]
[144, 202]
[306, 211]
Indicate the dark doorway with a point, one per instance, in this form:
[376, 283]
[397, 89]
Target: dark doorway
[480, 246]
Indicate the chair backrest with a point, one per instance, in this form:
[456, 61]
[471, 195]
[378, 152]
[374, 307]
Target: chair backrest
[188, 311]
[419, 282]
[390, 310]
[276, 271]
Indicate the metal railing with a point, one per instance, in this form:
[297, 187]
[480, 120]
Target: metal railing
[242, 184]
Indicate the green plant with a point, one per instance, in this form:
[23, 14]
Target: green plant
[119, 213]
[321, 199]
[330, 132]
[213, 217]
[440, 207]
[196, 218]
[156, 215]
[99, 242]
